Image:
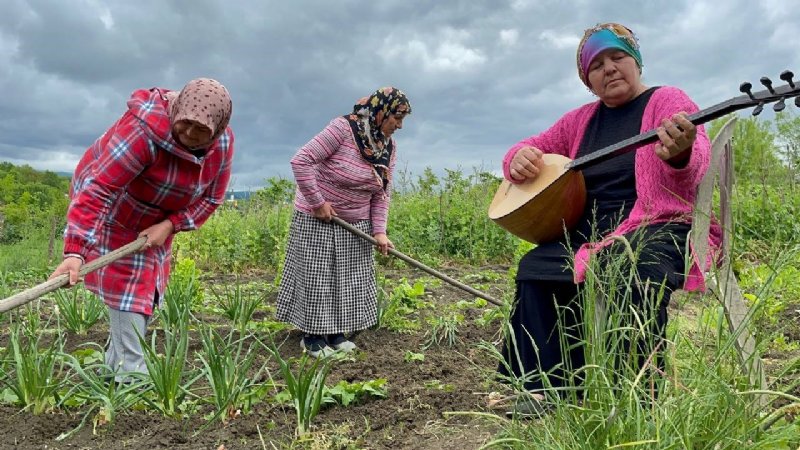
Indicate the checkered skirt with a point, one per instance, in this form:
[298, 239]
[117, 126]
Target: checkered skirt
[328, 281]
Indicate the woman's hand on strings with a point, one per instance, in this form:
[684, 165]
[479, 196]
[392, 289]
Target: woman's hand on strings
[676, 136]
[526, 164]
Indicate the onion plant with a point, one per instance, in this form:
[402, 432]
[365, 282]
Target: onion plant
[306, 386]
[97, 389]
[33, 369]
[182, 292]
[168, 369]
[78, 309]
[238, 305]
[176, 307]
[229, 368]
[444, 330]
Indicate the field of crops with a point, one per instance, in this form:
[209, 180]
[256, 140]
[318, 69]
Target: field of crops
[222, 373]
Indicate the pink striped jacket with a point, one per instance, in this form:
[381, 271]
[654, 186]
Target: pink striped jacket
[330, 168]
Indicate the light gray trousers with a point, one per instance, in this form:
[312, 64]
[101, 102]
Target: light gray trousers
[124, 352]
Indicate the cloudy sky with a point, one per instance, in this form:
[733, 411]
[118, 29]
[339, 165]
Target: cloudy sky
[480, 74]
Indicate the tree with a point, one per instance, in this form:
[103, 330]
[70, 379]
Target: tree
[788, 125]
[756, 155]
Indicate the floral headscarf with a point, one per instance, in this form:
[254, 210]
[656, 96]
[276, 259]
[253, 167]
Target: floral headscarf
[365, 121]
[204, 101]
[603, 37]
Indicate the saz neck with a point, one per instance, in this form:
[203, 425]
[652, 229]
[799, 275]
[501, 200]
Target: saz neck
[647, 137]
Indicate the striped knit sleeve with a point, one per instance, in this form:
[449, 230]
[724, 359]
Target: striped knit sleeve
[318, 149]
[379, 203]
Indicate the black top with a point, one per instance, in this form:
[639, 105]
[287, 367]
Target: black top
[610, 190]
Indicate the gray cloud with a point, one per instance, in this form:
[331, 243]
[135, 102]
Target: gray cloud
[480, 74]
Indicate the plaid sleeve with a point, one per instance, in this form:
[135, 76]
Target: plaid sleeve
[120, 155]
[196, 214]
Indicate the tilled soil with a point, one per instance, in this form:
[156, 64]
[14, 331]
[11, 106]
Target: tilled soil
[414, 414]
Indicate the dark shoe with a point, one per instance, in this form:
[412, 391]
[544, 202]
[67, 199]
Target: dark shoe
[528, 407]
[339, 342]
[315, 346]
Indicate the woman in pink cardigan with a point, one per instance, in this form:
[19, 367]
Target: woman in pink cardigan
[646, 196]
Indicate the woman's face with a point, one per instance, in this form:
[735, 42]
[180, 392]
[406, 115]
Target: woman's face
[193, 135]
[614, 77]
[393, 121]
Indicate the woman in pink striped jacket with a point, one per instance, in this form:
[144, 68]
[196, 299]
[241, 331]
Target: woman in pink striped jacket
[328, 286]
[646, 196]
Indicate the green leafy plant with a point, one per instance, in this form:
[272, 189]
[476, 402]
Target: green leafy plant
[79, 309]
[489, 316]
[437, 385]
[269, 326]
[345, 393]
[396, 310]
[410, 356]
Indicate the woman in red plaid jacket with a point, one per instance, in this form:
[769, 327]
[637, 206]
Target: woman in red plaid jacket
[163, 167]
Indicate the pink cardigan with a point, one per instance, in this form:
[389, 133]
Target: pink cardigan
[664, 193]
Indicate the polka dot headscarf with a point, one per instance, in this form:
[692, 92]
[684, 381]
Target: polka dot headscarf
[205, 101]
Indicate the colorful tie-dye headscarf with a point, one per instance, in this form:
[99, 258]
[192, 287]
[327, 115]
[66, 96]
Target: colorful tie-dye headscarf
[603, 37]
[365, 121]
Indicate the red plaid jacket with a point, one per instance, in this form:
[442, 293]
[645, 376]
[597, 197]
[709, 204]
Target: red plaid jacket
[132, 177]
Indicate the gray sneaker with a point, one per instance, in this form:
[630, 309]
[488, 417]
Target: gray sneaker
[340, 343]
[316, 346]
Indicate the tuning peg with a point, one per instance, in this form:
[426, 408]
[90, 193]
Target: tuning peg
[745, 88]
[768, 84]
[786, 76]
[757, 110]
[778, 107]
